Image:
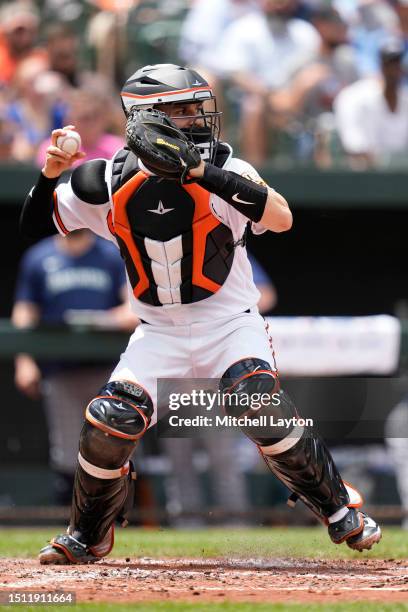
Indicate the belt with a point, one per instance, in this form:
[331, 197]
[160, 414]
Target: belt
[248, 310]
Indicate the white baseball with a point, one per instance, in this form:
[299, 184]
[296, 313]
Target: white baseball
[70, 143]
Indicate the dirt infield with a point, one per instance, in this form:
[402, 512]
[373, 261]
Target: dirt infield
[261, 580]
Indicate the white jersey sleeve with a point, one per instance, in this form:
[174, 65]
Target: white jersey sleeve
[72, 212]
[235, 220]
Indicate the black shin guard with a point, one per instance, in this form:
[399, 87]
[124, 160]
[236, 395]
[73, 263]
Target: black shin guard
[97, 503]
[296, 455]
[104, 488]
[308, 470]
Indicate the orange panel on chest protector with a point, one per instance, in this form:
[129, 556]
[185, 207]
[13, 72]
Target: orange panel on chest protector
[123, 230]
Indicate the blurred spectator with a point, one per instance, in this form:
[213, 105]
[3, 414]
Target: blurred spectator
[58, 277]
[261, 53]
[312, 91]
[35, 109]
[68, 11]
[64, 57]
[372, 114]
[370, 23]
[62, 45]
[89, 113]
[201, 34]
[7, 139]
[18, 36]
[314, 87]
[374, 22]
[107, 35]
[204, 28]
[401, 8]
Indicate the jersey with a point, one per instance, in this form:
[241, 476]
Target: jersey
[57, 282]
[153, 237]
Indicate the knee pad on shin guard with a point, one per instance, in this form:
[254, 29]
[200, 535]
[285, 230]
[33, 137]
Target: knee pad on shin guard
[251, 391]
[114, 422]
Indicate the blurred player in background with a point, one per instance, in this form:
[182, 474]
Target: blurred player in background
[184, 246]
[59, 277]
[269, 297]
[396, 439]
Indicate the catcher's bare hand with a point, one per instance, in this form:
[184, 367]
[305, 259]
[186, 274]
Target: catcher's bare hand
[57, 160]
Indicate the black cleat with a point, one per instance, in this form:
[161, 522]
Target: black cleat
[49, 555]
[350, 525]
[357, 529]
[369, 535]
[67, 550]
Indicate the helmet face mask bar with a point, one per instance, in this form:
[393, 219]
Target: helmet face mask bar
[204, 129]
[166, 87]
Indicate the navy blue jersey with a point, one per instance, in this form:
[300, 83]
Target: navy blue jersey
[56, 281]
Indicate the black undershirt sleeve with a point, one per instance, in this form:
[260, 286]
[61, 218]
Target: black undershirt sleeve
[36, 216]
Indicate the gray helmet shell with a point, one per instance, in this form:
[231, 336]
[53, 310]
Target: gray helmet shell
[163, 84]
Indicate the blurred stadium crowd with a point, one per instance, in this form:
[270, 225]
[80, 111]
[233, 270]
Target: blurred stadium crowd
[305, 81]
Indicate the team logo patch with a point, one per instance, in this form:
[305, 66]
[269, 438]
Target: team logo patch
[160, 210]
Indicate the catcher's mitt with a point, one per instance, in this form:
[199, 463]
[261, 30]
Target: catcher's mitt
[160, 145]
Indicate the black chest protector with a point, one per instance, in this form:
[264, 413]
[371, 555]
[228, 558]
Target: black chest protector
[175, 250]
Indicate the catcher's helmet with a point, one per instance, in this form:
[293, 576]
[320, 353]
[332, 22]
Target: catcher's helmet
[162, 84]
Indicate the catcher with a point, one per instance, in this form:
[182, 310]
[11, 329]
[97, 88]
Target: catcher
[177, 204]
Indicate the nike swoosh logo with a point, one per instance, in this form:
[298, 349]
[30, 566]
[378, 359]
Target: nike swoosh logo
[236, 199]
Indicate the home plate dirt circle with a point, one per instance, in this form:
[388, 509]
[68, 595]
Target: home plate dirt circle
[261, 580]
